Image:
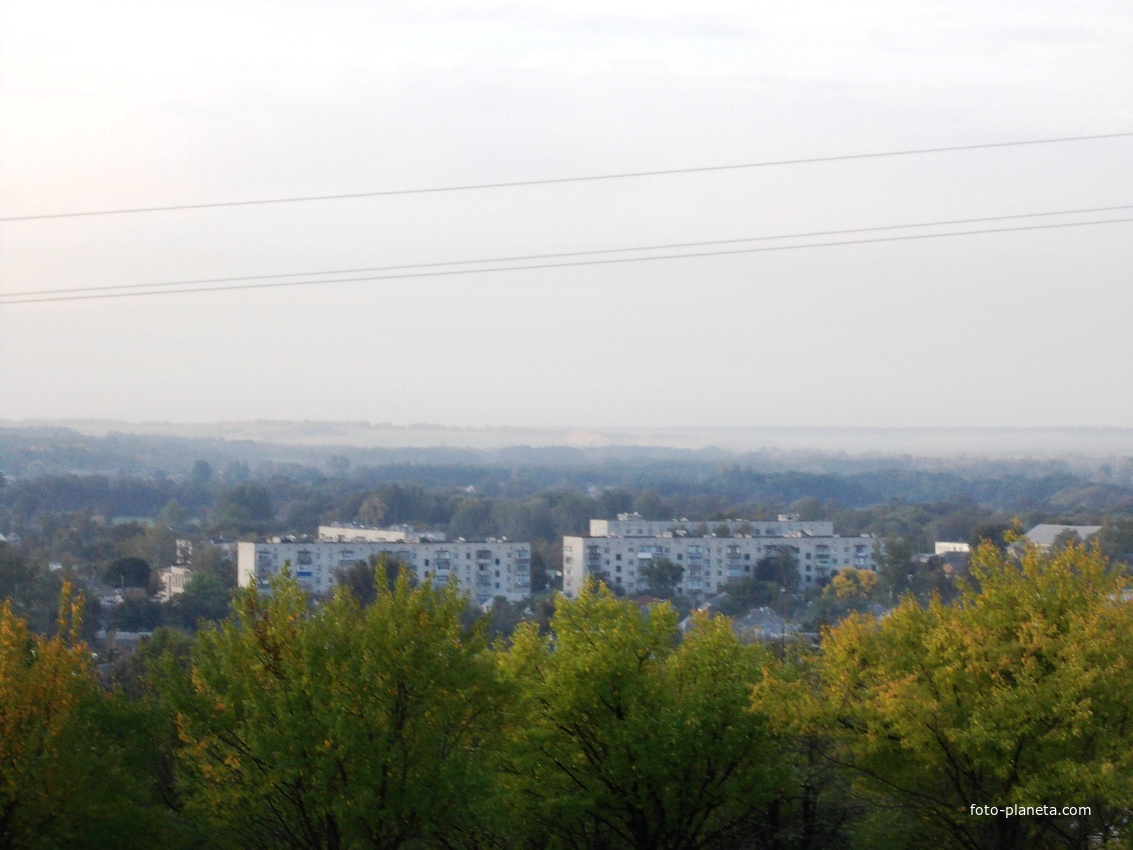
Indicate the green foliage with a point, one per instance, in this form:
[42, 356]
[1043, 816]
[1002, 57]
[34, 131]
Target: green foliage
[137, 614]
[623, 738]
[212, 560]
[372, 510]
[127, 572]
[205, 598]
[31, 589]
[362, 578]
[748, 592]
[999, 534]
[243, 508]
[1017, 694]
[133, 674]
[471, 517]
[662, 577]
[340, 727]
[73, 759]
[780, 568]
[200, 475]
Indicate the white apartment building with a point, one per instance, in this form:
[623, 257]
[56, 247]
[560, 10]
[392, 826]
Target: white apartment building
[709, 562]
[483, 569]
[173, 581]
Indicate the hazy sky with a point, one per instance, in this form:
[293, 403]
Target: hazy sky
[134, 104]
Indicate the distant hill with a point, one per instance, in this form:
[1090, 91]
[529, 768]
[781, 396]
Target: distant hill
[918, 442]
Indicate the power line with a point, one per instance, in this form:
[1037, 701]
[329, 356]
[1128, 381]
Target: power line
[565, 254]
[556, 180]
[597, 262]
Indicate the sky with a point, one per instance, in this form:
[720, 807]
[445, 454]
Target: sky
[114, 105]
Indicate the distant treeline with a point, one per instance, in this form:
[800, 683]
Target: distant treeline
[302, 495]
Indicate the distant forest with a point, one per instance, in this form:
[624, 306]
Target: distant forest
[59, 469]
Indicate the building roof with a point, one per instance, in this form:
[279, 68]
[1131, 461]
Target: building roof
[1044, 535]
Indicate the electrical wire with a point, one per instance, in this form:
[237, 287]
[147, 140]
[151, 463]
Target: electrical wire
[557, 180]
[567, 254]
[568, 264]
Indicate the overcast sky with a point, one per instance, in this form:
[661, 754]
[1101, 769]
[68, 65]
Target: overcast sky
[117, 105]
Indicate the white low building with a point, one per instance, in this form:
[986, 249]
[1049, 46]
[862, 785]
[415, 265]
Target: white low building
[1045, 535]
[484, 569]
[617, 551]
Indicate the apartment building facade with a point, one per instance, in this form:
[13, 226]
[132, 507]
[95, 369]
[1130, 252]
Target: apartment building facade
[482, 569]
[618, 549]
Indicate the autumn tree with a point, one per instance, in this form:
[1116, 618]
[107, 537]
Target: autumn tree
[338, 727]
[848, 590]
[1016, 694]
[626, 739]
[74, 760]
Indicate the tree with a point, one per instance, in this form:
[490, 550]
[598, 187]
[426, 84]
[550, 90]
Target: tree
[72, 757]
[205, 597]
[137, 613]
[472, 519]
[200, 476]
[624, 739]
[1017, 694]
[31, 590]
[361, 578]
[173, 515]
[127, 572]
[662, 577]
[339, 727]
[372, 510]
[748, 592]
[780, 568]
[208, 559]
[245, 507]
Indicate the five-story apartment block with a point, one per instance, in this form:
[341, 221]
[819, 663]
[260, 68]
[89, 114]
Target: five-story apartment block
[710, 553]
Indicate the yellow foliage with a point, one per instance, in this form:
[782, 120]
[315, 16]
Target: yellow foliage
[850, 585]
[1018, 693]
[42, 681]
